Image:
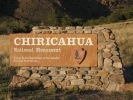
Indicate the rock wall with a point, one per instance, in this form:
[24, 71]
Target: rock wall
[108, 75]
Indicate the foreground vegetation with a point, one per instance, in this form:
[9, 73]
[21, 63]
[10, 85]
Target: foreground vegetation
[54, 18]
[54, 94]
[6, 74]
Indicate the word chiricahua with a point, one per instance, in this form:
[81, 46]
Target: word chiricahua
[53, 41]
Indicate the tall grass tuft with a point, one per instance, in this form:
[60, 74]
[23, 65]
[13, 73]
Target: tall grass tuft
[124, 38]
[6, 74]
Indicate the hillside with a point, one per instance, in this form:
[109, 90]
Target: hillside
[38, 10]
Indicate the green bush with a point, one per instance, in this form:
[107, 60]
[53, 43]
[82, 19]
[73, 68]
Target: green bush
[5, 70]
[66, 22]
[52, 90]
[128, 14]
[102, 20]
[14, 26]
[90, 22]
[53, 19]
[116, 16]
[77, 22]
[4, 60]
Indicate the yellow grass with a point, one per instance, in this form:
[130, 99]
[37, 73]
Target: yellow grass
[4, 44]
[4, 51]
[124, 37]
[122, 30]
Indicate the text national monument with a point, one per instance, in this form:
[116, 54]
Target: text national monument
[58, 50]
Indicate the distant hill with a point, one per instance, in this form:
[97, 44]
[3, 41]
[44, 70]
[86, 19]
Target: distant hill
[38, 10]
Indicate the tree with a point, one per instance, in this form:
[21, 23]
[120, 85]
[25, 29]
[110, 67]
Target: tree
[128, 14]
[66, 22]
[102, 20]
[53, 18]
[116, 16]
[78, 22]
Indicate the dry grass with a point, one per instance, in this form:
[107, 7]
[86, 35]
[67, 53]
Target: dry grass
[4, 41]
[124, 38]
[122, 30]
[6, 72]
[4, 51]
[71, 95]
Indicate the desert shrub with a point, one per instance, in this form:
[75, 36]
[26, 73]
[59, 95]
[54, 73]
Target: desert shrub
[6, 72]
[66, 22]
[131, 8]
[14, 26]
[120, 15]
[53, 18]
[128, 14]
[52, 90]
[72, 22]
[19, 26]
[77, 22]
[116, 16]
[102, 20]
[4, 60]
[128, 95]
[90, 22]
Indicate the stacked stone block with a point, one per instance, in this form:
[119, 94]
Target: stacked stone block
[108, 75]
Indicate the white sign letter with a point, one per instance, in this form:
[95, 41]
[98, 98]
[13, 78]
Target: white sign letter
[15, 41]
[80, 39]
[40, 41]
[69, 40]
[52, 41]
[88, 41]
[25, 41]
[61, 42]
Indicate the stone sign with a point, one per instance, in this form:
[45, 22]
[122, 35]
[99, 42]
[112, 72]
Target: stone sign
[59, 50]
[73, 49]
